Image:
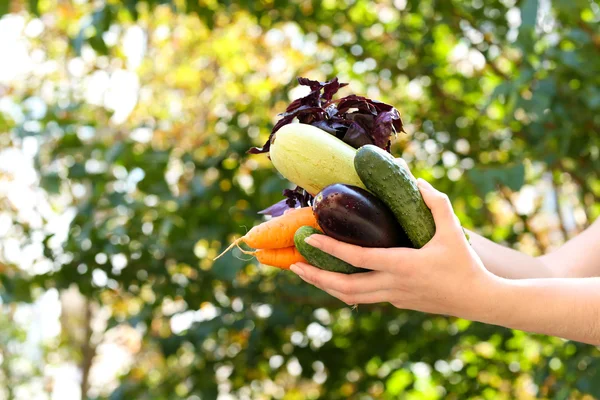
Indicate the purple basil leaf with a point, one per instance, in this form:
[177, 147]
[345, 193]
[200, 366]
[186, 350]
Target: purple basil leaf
[366, 121]
[331, 111]
[358, 102]
[330, 88]
[314, 85]
[308, 116]
[302, 109]
[356, 136]
[332, 126]
[276, 209]
[260, 150]
[297, 196]
[384, 127]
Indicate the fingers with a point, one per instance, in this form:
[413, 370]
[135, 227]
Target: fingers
[381, 296]
[347, 284]
[363, 288]
[440, 207]
[364, 257]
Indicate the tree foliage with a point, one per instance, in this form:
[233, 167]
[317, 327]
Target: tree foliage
[140, 114]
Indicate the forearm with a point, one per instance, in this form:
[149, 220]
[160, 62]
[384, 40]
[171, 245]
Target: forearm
[508, 263]
[568, 308]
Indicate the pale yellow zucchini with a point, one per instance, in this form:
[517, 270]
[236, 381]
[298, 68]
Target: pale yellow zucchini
[312, 158]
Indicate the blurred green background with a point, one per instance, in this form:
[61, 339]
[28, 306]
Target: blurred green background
[123, 132]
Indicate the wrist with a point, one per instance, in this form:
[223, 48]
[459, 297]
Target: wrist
[495, 302]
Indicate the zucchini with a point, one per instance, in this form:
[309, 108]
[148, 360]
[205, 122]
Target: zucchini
[398, 190]
[319, 258]
[312, 158]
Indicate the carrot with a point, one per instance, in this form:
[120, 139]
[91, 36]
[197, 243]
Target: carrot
[277, 232]
[281, 258]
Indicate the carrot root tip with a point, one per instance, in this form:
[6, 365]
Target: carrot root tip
[235, 243]
[245, 251]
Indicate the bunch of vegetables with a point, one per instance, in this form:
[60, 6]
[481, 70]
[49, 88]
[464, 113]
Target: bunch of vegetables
[348, 185]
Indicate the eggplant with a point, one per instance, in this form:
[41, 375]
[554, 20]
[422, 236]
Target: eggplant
[353, 215]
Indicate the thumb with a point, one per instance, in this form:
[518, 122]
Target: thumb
[440, 206]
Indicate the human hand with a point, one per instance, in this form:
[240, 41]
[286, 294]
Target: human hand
[444, 277]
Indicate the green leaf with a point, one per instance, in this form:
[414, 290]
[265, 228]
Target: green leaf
[97, 43]
[529, 11]
[115, 152]
[50, 183]
[571, 58]
[4, 7]
[15, 289]
[227, 267]
[502, 89]
[571, 7]
[131, 6]
[399, 381]
[525, 76]
[69, 141]
[171, 344]
[487, 179]
[34, 7]
[77, 171]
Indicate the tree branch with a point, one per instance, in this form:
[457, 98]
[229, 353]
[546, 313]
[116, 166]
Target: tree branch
[594, 37]
[88, 350]
[505, 193]
[580, 181]
[561, 220]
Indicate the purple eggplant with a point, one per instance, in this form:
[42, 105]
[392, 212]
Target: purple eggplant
[353, 215]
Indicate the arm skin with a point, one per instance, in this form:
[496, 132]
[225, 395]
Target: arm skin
[578, 258]
[564, 307]
[447, 276]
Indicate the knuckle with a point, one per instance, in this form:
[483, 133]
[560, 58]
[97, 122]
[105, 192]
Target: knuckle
[443, 197]
[327, 247]
[347, 287]
[398, 305]
[362, 257]
[314, 279]
[348, 299]
[443, 200]
[406, 272]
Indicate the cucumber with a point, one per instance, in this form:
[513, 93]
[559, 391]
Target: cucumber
[397, 189]
[319, 258]
[312, 158]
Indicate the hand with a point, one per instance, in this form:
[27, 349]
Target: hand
[444, 277]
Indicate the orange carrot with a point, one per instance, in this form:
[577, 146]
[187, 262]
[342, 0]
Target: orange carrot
[281, 258]
[277, 232]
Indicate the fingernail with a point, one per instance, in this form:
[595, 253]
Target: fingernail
[297, 270]
[313, 240]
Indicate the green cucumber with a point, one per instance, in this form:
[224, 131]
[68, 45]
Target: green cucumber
[319, 258]
[389, 181]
